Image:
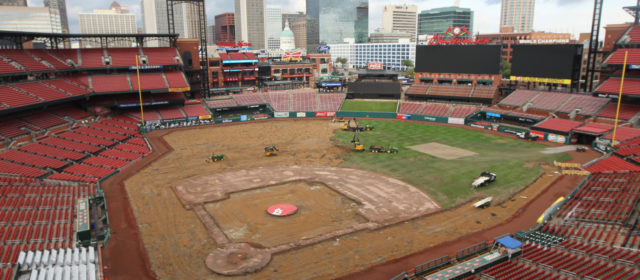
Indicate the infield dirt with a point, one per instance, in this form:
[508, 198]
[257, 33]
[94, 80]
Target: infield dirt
[176, 242]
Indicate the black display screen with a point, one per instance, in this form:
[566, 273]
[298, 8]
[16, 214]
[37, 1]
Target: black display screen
[468, 59]
[545, 61]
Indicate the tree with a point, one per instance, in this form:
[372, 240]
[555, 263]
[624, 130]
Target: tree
[506, 69]
[342, 60]
[407, 62]
[410, 72]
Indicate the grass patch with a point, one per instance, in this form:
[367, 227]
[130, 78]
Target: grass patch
[516, 162]
[369, 106]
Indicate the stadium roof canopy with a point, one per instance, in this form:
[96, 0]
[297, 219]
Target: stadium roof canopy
[558, 125]
[594, 129]
[17, 38]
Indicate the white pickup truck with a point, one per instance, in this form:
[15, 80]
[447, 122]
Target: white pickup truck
[484, 179]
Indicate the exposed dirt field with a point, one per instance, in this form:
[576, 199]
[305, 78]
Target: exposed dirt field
[442, 151]
[320, 210]
[177, 242]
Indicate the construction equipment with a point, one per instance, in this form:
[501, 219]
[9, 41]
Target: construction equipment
[271, 150]
[355, 127]
[215, 157]
[527, 135]
[357, 147]
[381, 149]
[484, 179]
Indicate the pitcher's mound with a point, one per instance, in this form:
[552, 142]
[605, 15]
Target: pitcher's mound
[442, 151]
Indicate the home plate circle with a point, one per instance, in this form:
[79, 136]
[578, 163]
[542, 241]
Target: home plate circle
[282, 210]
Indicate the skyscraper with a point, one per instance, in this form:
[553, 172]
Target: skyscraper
[333, 21]
[516, 16]
[116, 20]
[293, 17]
[22, 3]
[250, 22]
[438, 20]
[274, 26]
[225, 28]
[211, 34]
[400, 19]
[61, 7]
[154, 18]
[29, 19]
[299, 29]
[361, 25]
[313, 24]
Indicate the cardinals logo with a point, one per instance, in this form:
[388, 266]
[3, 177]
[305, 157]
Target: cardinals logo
[457, 31]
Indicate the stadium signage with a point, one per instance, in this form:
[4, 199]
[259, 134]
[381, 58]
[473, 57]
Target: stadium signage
[240, 44]
[292, 56]
[556, 41]
[331, 84]
[146, 67]
[452, 37]
[325, 114]
[324, 48]
[495, 115]
[375, 66]
[541, 80]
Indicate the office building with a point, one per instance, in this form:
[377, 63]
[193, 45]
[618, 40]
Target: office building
[19, 3]
[299, 29]
[274, 26]
[29, 19]
[516, 16]
[333, 21]
[313, 24]
[437, 21]
[225, 28]
[116, 20]
[400, 18]
[155, 21]
[292, 17]
[389, 54]
[211, 34]
[61, 7]
[393, 37]
[250, 22]
[361, 26]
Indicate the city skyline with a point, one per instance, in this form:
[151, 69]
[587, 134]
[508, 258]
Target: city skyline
[550, 15]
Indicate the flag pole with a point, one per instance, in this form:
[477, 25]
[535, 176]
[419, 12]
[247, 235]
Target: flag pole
[624, 70]
[139, 90]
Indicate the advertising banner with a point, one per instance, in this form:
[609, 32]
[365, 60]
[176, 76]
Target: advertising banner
[456, 120]
[403, 116]
[260, 117]
[205, 117]
[227, 121]
[538, 134]
[301, 114]
[243, 118]
[281, 114]
[325, 114]
[192, 118]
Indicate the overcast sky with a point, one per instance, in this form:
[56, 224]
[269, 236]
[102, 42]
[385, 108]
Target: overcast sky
[571, 16]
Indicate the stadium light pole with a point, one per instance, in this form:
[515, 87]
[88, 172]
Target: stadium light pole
[139, 90]
[624, 69]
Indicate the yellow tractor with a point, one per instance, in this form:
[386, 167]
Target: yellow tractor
[271, 151]
[357, 147]
[356, 127]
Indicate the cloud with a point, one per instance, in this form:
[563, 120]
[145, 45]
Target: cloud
[493, 2]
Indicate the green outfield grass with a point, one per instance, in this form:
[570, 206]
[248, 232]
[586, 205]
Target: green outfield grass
[369, 106]
[449, 181]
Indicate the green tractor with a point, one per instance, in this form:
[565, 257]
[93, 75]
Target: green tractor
[215, 157]
[368, 127]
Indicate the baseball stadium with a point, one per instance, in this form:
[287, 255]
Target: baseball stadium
[134, 163]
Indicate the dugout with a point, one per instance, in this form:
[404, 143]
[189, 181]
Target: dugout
[588, 133]
[556, 130]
